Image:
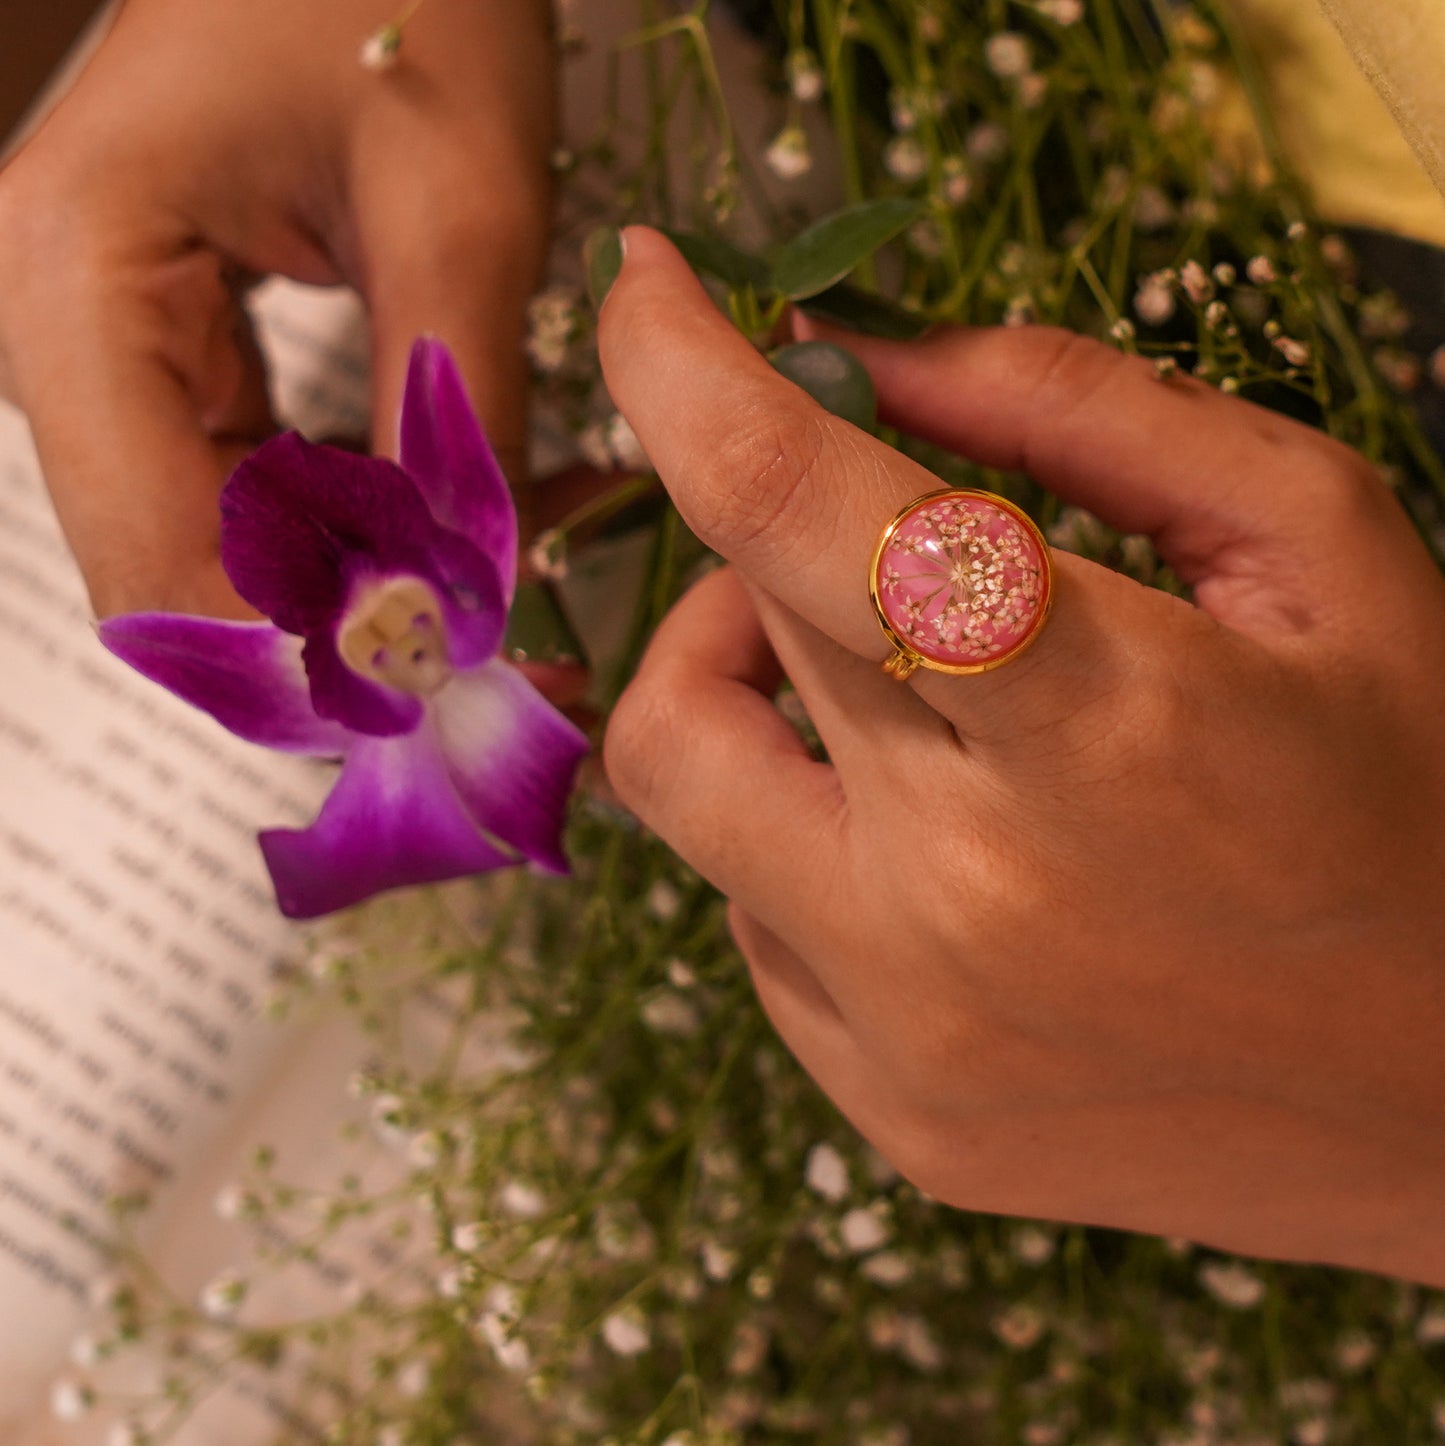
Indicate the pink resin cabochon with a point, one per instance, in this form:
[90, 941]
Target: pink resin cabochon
[963, 580]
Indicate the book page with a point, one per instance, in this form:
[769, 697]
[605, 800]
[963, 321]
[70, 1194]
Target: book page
[138, 933]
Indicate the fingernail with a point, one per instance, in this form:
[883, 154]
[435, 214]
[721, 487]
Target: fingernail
[538, 630]
[602, 256]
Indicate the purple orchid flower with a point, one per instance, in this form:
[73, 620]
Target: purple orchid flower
[387, 588]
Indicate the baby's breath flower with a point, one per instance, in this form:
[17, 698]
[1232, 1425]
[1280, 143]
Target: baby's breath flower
[1019, 1327]
[670, 1014]
[1032, 1244]
[1154, 301]
[469, 1237]
[889, 1268]
[902, 110]
[1355, 1350]
[413, 1379]
[380, 49]
[593, 445]
[126, 1433]
[1123, 329]
[1062, 12]
[624, 446]
[626, 1333]
[1225, 274]
[663, 901]
[719, 1263]
[826, 1172]
[905, 159]
[1294, 351]
[426, 1149]
[1430, 1328]
[105, 1292]
[788, 156]
[1232, 1284]
[918, 1346]
[70, 1399]
[222, 1298]
[1032, 89]
[234, 1202]
[521, 1201]
[1153, 210]
[1008, 54]
[511, 1351]
[987, 142]
[551, 320]
[863, 1230]
[925, 238]
[805, 75]
[750, 1349]
[1260, 270]
[957, 181]
[85, 1351]
[1197, 283]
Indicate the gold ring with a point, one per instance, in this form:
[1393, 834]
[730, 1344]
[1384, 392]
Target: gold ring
[961, 582]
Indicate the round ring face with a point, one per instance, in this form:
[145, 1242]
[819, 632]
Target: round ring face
[961, 581]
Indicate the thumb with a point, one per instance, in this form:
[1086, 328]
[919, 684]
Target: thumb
[1250, 509]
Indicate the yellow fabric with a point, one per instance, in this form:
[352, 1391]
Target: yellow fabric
[1352, 145]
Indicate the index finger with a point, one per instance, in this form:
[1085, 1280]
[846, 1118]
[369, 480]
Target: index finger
[797, 498]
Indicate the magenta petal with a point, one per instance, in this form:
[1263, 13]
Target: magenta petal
[354, 701]
[445, 450]
[298, 520]
[393, 819]
[512, 757]
[248, 676]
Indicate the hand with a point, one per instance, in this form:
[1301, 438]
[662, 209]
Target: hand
[206, 143]
[1145, 928]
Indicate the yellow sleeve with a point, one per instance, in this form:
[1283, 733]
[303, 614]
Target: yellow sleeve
[1369, 152]
[1400, 47]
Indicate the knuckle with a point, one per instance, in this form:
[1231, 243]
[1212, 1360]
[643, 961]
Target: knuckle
[644, 744]
[1351, 489]
[766, 478]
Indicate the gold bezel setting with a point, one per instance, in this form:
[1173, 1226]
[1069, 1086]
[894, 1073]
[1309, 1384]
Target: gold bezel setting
[905, 659]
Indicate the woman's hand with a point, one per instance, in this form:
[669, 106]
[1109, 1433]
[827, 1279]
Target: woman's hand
[1145, 928]
[206, 144]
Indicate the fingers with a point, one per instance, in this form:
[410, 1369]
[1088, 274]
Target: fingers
[452, 195]
[870, 727]
[136, 390]
[809, 1023]
[797, 498]
[1250, 508]
[697, 749]
[763, 475]
[468, 290]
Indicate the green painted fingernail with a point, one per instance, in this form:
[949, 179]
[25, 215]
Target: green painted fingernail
[602, 255]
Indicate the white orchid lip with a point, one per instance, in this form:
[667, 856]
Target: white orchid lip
[394, 633]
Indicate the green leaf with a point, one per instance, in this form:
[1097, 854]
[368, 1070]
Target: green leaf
[829, 249]
[834, 378]
[712, 256]
[865, 311]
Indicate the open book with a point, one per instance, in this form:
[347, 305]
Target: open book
[138, 935]
[139, 939]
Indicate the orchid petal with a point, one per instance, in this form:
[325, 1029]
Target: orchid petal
[445, 450]
[511, 756]
[353, 701]
[299, 520]
[393, 819]
[247, 676]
